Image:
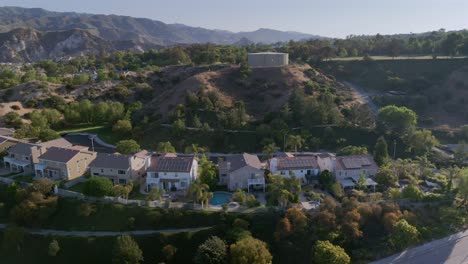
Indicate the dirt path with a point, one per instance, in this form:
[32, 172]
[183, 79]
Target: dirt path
[363, 97]
[46, 232]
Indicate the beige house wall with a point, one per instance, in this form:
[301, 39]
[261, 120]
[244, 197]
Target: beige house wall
[238, 179]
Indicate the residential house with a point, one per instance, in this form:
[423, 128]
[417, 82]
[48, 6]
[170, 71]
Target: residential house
[22, 156]
[170, 172]
[121, 169]
[348, 170]
[306, 168]
[241, 172]
[64, 163]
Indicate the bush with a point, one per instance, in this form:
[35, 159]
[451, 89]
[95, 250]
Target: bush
[98, 187]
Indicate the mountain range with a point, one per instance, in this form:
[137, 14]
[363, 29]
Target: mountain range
[112, 32]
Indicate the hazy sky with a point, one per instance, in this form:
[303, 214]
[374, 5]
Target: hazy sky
[334, 18]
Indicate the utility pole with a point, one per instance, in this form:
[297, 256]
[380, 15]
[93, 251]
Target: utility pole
[394, 149]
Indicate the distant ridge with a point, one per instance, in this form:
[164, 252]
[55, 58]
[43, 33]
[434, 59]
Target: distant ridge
[141, 30]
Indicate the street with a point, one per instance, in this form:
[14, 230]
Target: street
[449, 250]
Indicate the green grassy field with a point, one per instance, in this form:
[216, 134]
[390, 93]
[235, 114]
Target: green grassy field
[397, 58]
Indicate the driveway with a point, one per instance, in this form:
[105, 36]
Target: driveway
[449, 250]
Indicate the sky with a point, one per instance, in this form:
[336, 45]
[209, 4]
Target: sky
[331, 18]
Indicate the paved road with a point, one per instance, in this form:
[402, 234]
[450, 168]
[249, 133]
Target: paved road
[46, 232]
[449, 250]
[364, 96]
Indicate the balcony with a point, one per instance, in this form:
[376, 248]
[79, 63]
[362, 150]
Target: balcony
[256, 181]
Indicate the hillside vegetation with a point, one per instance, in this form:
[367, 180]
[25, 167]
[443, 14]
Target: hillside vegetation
[436, 89]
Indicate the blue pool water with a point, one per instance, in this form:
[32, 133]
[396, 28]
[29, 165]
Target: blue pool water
[220, 198]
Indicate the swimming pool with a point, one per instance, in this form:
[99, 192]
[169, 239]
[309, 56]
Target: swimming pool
[220, 198]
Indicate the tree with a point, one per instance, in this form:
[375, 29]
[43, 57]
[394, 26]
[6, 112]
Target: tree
[178, 127]
[54, 248]
[381, 151]
[155, 194]
[239, 196]
[123, 128]
[295, 141]
[326, 178]
[353, 150]
[126, 251]
[200, 192]
[403, 235]
[250, 251]
[48, 134]
[169, 252]
[127, 146]
[421, 141]
[451, 45]
[397, 120]
[386, 176]
[13, 237]
[208, 172]
[98, 187]
[35, 204]
[463, 184]
[212, 251]
[12, 119]
[412, 192]
[165, 147]
[327, 253]
[270, 149]
[451, 173]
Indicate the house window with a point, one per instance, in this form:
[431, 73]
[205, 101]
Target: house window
[176, 175]
[12, 155]
[282, 173]
[302, 171]
[156, 175]
[121, 172]
[122, 181]
[96, 174]
[102, 170]
[223, 175]
[27, 158]
[183, 184]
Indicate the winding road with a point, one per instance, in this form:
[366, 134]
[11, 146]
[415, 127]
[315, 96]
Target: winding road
[46, 232]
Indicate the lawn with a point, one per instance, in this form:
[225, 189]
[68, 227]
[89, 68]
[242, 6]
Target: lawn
[104, 132]
[24, 178]
[77, 187]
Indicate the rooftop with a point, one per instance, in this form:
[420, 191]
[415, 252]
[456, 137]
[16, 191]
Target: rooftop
[115, 161]
[355, 162]
[235, 162]
[171, 164]
[62, 155]
[288, 163]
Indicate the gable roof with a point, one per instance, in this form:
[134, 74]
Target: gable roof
[235, 162]
[171, 164]
[355, 162]
[114, 161]
[306, 162]
[22, 148]
[59, 142]
[62, 155]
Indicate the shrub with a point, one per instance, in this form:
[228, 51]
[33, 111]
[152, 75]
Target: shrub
[98, 187]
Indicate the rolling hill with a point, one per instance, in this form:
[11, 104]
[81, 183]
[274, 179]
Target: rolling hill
[125, 28]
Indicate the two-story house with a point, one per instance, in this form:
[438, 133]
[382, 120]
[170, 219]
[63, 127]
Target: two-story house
[348, 169]
[241, 171]
[304, 168]
[171, 173]
[22, 156]
[64, 163]
[121, 169]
